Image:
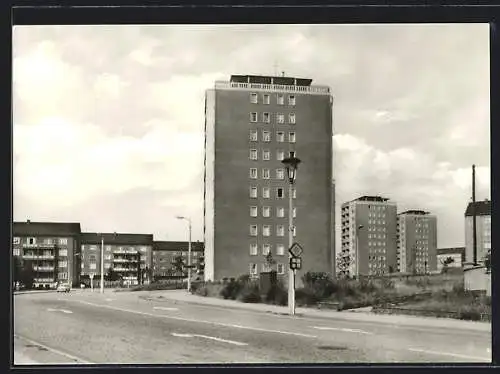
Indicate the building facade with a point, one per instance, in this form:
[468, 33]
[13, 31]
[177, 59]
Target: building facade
[417, 242]
[368, 236]
[456, 256]
[167, 253]
[122, 253]
[482, 210]
[51, 248]
[251, 124]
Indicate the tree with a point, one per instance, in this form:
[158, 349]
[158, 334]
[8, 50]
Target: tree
[447, 261]
[17, 269]
[27, 274]
[343, 264]
[270, 260]
[487, 261]
[112, 275]
[178, 265]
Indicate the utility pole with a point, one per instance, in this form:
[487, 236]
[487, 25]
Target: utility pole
[474, 234]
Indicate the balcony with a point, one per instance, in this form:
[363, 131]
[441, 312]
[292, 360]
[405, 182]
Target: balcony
[318, 90]
[39, 245]
[125, 269]
[32, 256]
[43, 280]
[43, 268]
[123, 260]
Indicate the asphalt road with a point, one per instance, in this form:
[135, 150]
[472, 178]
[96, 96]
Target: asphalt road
[121, 328]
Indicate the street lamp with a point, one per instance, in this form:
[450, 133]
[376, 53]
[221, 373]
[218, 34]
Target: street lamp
[357, 249]
[102, 263]
[291, 164]
[189, 251]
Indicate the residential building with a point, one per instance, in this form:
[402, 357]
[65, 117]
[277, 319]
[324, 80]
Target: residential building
[122, 252]
[417, 242]
[166, 253]
[456, 254]
[369, 236]
[251, 124]
[52, 248]
[482, 210]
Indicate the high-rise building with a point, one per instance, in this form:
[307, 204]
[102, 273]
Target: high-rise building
[482, 210]
[368, 236]
[251, 124]
[417, 242]
[51, 249]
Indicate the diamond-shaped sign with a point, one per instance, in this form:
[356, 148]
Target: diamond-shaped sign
[296, 250]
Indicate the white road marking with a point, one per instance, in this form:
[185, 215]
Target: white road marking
[342, 329]
[198, 321]
[59, 310]
[164, 308]
[209, 337]
[56, 351]
[450, 354]
[109, 299]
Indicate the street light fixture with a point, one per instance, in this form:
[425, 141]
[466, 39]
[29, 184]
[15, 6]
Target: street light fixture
[189, 251]
[291, 164]
[102, 263]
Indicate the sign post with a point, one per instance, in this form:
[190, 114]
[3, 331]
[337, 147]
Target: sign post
[294, 251]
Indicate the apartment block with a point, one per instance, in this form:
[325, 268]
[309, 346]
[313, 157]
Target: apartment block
[251, 124]
[482, 210]
[417, 242]
[51, 248]
[368, 236]
[165, 254]
[122, 253]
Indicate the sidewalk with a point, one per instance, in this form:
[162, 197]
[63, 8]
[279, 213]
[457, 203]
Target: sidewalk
[183, 296]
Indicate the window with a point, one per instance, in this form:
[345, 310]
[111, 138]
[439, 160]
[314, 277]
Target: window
[280, 155]
[31, 241]
[291, 100]
[294, 229]
[266, 211]
[108, 256]
[266, 154]
[253, 98]
[253, 117]
[280, 212]
[280, 249]
[266, 174]
[107, 265]
[266, 249]
[294, 193]
[253, 173]
[266, 99]
[253, 136]
[82, 265]
[253, 154]
[253, 211]
[266, 117]
[266, 192]
[291, 137]
[108, 248]
[280, 136]
[253, 230]
[280, 118]
[294, 212]
[93, 266]
[280, 268]
[266, 230]
[63, 264]
[280, 174]
[93, 248]
[63, 252]
[253, 192]
[265, 267]
[280, 230]
[266, 136]
[291, 118]
[291, 154]
[63, 241]
[279, 193]
[63, 276]
[17, 240]
[16, 252]
[281, 99]
[253, 249]
[253, 269]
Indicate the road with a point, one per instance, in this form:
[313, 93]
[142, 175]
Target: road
[121, 328]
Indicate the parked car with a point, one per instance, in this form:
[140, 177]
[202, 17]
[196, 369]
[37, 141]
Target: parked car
[63, 287]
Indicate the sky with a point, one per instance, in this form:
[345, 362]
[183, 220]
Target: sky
[108, 120]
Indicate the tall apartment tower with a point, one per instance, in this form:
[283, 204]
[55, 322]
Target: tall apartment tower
[251, 124]
[417, 242]
[482, 210]
[369, 236]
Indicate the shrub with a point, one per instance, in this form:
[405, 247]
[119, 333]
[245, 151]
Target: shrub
[201, 291]
[320, 283]
[232, 289]
[277, 295]
[249, 294]
[306, 296]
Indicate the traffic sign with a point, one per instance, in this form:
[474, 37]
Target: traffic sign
[295, 263]
[295, 250]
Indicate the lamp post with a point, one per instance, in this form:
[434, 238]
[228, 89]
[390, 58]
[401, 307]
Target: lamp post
[189, 251]
[102, 263]
[359, 227]
[291, 164]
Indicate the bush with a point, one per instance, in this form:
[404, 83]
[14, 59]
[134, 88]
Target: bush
[234, 287]
[201, 291]
[277, 295]
[249, 294]
[306, 296]
[320, 283]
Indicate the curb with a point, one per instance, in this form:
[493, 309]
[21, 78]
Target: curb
[32, 292]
